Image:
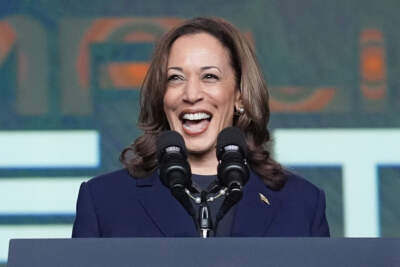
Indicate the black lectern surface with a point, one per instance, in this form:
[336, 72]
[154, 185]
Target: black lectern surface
[247, 252]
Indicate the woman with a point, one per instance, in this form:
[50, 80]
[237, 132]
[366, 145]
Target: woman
[203, 78]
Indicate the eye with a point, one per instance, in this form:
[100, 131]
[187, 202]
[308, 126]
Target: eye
[210, 76]
[174, 77]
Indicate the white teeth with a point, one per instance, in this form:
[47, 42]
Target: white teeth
[196, 116]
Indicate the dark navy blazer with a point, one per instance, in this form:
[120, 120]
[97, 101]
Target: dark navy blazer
[118, 205]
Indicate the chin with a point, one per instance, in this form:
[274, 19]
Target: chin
[199, 148]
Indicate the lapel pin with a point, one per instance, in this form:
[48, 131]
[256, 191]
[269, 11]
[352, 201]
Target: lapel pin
[264, 199]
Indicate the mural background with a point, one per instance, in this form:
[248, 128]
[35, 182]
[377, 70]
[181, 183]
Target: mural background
[70, 73]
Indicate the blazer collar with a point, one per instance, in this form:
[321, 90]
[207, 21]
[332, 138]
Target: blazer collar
[163, 208]
[256, 211]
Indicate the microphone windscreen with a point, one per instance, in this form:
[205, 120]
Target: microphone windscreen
[231, 136]
[170, 139]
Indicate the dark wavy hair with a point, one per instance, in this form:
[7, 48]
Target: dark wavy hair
[140, 157]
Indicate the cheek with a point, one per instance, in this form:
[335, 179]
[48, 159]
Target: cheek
[226, 100]
[168, 102]
[168, 111]
[227, 104]
[169, 106]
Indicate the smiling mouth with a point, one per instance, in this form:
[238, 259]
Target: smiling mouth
[195, 123]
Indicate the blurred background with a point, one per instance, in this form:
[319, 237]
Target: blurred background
[70, 73]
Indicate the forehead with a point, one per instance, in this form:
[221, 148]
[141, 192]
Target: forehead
[198, 48]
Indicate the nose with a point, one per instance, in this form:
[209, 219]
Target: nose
[193, 92]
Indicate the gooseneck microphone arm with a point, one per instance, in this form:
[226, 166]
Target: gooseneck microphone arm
[175, 172]
[204, 214]
[205, 221]
[233, 170]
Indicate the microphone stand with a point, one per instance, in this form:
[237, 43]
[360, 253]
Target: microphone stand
[205, 221]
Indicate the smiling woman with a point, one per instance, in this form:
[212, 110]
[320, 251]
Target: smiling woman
[203, 78]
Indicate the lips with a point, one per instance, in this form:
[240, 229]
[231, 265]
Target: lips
[195, 122]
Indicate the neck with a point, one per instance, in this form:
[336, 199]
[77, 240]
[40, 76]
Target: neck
[204, 164]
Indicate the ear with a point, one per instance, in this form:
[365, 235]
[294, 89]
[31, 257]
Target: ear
[238, 100]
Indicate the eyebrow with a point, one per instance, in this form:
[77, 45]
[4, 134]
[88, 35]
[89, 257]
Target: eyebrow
[210, 67]
[175, 68]
[202, 68]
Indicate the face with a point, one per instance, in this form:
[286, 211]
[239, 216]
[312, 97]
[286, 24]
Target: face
[201, 91]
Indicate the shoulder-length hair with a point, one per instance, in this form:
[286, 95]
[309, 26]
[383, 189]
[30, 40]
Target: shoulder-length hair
[140, 157]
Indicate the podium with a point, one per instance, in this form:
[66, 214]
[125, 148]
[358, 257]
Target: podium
[276, 252]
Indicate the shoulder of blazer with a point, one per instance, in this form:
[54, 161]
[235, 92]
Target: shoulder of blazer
[299, 184]
[121, 178]
[301, 193]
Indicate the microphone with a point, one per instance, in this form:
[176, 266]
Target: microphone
[233, 171]
[174, 169]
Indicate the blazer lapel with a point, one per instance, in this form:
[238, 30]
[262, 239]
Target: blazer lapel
[165, 211]
[255, 212]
